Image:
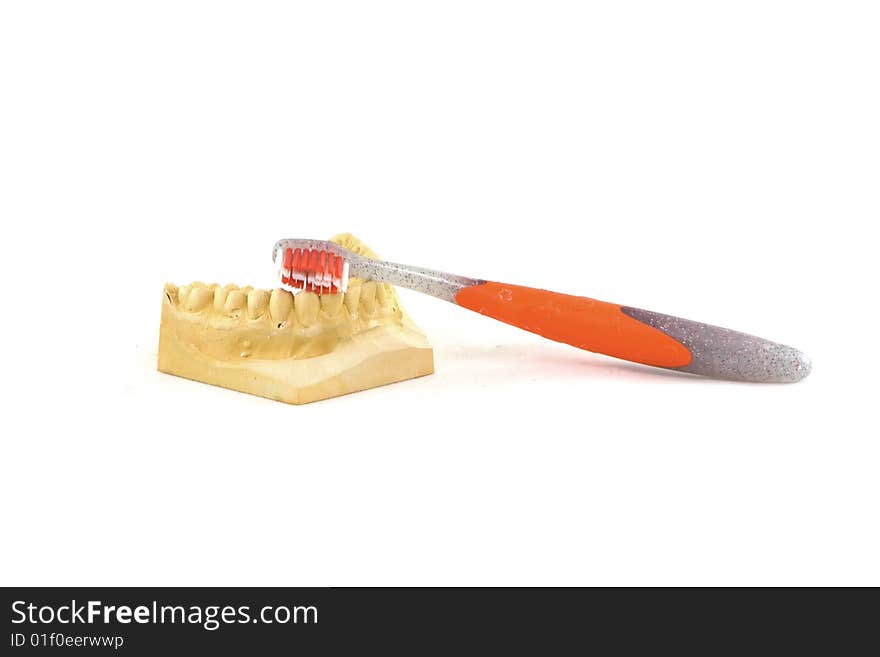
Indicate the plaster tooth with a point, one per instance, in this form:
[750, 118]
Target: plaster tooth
[236, 301]
[368, 297]
[257, 303]
[307, 307]
[280, 305]
[171, 293]
[247, 289]
[220, 294]
[182, 296]
[353, 297]
[199, 297]
[331, 304]
[383, 294]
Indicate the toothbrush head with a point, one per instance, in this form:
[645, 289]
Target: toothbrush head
[312, 266]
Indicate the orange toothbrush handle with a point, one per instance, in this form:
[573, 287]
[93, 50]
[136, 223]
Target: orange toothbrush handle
[579, 321]
[638, 335]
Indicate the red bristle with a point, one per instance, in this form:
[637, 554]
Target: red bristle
[325, 264]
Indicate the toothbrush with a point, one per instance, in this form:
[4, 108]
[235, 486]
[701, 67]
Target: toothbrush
[632, 334]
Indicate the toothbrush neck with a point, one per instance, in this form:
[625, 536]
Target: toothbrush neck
[428, 281]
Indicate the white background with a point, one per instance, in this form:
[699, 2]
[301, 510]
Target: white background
[717, 161]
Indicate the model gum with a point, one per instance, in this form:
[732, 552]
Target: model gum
[295, 349]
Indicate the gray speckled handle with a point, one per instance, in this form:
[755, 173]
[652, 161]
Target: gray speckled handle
[715, 352]
[440, 284]
[725, 354]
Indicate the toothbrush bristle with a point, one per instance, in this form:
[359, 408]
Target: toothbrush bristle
[313, 270]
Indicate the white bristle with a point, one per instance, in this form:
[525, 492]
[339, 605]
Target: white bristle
[343, 284]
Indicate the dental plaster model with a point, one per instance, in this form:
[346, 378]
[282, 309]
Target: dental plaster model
[295, 349]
